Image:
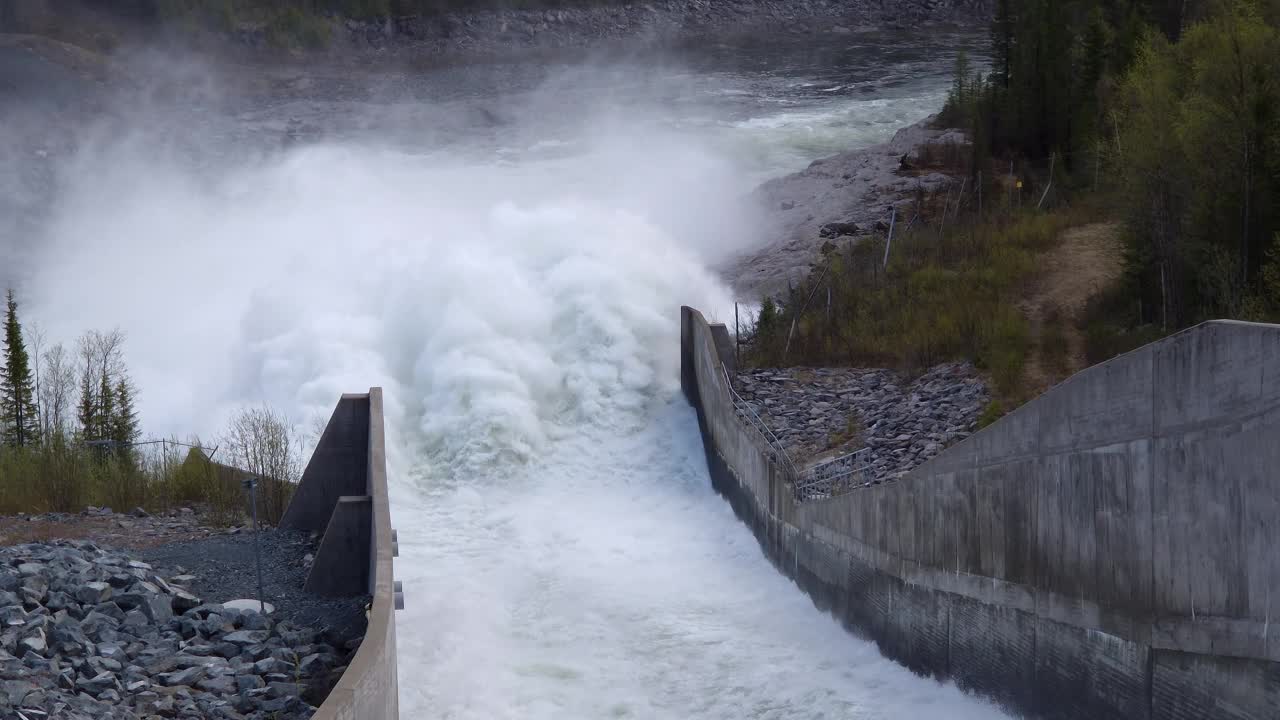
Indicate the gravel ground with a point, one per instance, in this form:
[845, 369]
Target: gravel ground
[224, 570]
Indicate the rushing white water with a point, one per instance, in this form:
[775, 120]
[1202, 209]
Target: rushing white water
[562, 551]
[605, 579]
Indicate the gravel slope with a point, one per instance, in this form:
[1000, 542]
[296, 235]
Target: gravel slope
[224, 570]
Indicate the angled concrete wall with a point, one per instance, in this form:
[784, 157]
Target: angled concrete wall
[348, 476]
[338, 466]
[1110, 550]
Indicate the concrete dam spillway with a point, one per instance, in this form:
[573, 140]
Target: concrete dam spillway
[1106, 551]
[959, 571]
[562, 547]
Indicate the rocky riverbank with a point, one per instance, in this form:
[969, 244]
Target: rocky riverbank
[87, 633]
[487, 30]
[589, 23]
[843, 198]
[902, 422]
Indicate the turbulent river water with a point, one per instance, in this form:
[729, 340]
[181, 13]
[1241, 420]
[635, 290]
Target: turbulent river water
[504, 248]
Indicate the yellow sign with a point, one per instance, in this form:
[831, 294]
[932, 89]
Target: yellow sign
[1019, 184]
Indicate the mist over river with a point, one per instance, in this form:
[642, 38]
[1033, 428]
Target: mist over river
[504, 248]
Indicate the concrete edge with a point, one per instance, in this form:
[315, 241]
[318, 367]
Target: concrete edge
[947, 458]
[369, 689]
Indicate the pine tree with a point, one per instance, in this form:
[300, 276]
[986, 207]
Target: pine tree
[124, 422]
[1002, 43]
[106, 410]
[1091, 62]
[18, 418]
[87, 410]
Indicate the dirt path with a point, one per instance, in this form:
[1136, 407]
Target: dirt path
[1088, 259]
[101, 526]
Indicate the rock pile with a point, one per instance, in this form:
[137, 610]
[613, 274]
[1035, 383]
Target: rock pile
[901, 423]
[89, 634]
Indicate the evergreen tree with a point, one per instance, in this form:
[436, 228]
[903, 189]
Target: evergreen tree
[1002, 44]
[124, 422]
[1090, 64]
[106, 410]
[87, 410]
[18, 418]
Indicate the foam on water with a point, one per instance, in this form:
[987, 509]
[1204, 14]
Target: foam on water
[606, 579]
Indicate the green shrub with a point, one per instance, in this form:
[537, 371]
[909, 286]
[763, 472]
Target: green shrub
[939, 299]
[290, 27]
[1004, 354]
[62, 476]
[991, 413]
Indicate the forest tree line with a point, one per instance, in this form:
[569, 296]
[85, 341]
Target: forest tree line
[1159, 118]
[70, 436]
[55, 394]
[1172, 106]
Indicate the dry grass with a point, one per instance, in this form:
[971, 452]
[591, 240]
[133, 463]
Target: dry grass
[1087, 262]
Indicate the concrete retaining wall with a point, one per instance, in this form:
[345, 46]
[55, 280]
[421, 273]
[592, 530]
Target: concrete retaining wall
[344, 493]
[1110, 550]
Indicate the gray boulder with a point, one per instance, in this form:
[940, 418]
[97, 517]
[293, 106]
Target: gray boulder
[93, 593]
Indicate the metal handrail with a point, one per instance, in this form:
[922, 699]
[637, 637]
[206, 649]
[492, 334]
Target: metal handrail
[767, 434]
[803, 482]
[830, 484]
[840, 458]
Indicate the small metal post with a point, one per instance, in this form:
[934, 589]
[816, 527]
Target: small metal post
[893, 218]
[251, 485]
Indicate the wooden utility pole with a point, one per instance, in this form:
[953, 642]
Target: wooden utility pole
[1048, 187]
[1011, 183]
[737, 337]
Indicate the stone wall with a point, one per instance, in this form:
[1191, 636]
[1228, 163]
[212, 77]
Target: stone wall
[1106, 551]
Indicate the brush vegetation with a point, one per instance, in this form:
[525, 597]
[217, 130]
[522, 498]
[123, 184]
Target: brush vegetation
[945, 294]
[1163, 117]
[1173, 109]
[70, 437]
